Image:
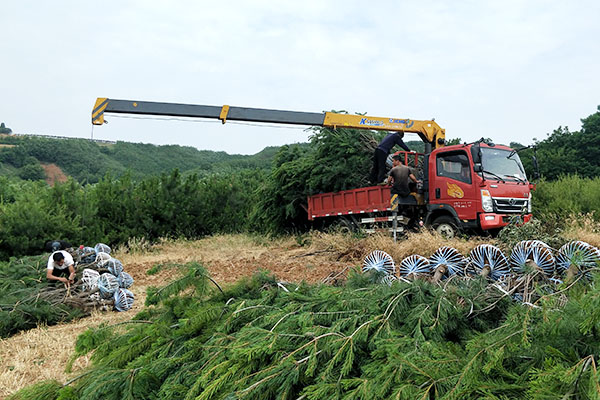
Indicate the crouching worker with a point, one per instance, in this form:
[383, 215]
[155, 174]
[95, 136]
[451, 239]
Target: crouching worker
[60, 268]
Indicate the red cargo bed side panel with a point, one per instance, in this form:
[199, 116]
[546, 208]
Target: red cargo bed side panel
[354, 201]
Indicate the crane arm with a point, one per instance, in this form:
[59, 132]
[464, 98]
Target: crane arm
[429, 131]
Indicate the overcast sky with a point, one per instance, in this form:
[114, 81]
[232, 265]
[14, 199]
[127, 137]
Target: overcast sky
[508, 70]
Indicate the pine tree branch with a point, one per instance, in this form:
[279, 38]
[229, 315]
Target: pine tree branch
[260, 382]
[466, 368]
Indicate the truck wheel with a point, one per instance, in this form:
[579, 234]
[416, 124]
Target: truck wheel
[346, 226]
[445, 226]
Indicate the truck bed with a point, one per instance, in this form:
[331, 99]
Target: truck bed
[354, 201]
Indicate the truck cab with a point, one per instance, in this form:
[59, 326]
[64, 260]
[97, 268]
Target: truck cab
[475, 186]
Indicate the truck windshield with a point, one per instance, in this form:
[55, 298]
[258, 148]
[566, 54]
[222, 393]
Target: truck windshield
[498, 162]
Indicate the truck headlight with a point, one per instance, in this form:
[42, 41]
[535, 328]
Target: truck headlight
[529, 204]
[486, 201]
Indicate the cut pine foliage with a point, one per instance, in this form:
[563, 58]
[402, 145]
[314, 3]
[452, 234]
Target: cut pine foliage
[259, 339]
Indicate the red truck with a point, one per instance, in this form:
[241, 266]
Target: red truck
[468, 187]
[477, 186]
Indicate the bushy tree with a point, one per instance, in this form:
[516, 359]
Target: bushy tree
[29, 221]
[4, 129]
[32, 172]
[333, 160]
[16, 156]
[568, 153]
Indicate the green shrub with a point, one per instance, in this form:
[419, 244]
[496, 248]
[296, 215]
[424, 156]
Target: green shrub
[548, 231]
[566, 196]
[32, 172]
[31, 219]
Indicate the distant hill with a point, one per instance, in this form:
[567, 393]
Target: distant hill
[28, 157]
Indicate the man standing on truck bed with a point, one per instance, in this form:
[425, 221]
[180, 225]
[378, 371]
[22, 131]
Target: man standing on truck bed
[381, 152]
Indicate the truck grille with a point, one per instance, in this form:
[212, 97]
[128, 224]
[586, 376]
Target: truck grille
[510, 205]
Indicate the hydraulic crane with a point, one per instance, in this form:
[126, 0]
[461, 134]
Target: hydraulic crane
[428, 130]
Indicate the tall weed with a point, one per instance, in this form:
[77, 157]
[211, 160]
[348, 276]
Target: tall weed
[566, 196]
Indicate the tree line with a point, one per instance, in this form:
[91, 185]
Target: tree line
[117, 209]
[88, 161]
[245, 197]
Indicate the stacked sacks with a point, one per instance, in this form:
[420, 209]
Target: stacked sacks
[107, 285]
[90, 278]
[102, 248]
[97, 254]
[102, 258]
[123, 299]
[108, 281]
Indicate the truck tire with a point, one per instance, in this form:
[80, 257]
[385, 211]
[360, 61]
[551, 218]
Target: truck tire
[445, 226]
[346, 226]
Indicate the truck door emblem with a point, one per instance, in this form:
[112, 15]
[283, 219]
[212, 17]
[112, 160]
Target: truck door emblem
[455, 191]
[512, 202]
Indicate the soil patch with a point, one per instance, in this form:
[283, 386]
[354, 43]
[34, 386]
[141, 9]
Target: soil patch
[54, 174]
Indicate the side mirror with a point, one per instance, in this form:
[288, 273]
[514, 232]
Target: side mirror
[477, 167]
[536, 168]
[476, 153]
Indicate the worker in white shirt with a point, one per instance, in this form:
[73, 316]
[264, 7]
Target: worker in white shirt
[61, 268]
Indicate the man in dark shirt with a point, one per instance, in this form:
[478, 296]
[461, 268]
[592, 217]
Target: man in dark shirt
[381, 153]
[399, 178]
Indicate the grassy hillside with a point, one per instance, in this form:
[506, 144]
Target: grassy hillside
[88, 161]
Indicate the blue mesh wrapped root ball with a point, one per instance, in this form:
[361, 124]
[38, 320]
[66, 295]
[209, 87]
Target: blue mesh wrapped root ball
[101, 247]
[123, 300]
[88, 255]
[102, 258]
[532, 254]
[108, 285]
[114, 266]
[414, 266]
[488, 261]
[379, 261]
[125, 280]
[447, 261]
[577, 257]
[90, 279]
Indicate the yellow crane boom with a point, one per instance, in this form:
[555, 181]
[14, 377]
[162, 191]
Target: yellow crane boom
[428, 130]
